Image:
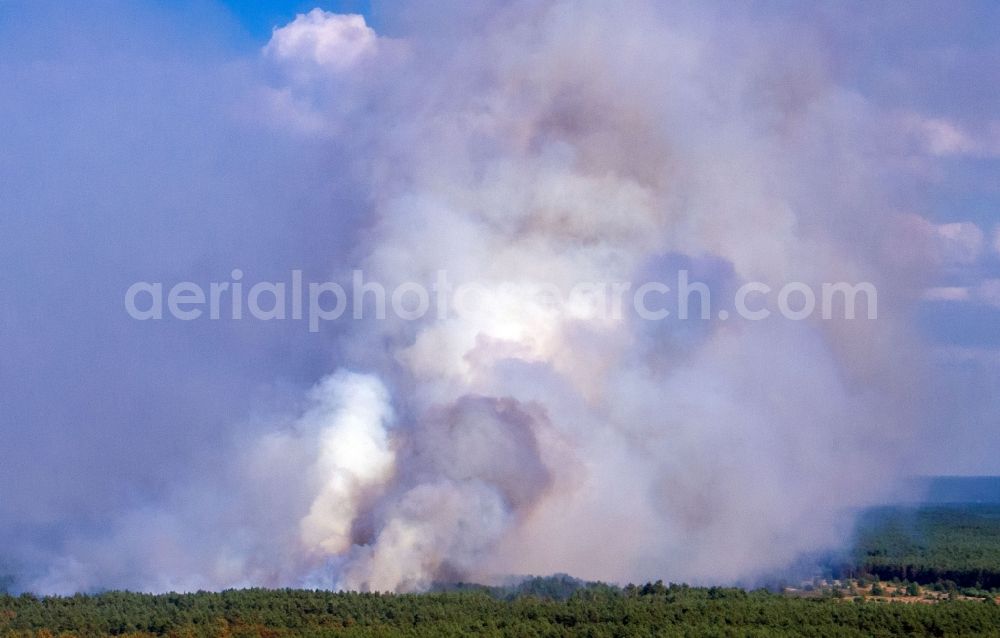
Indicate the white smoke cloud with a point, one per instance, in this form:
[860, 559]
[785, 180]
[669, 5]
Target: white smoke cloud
[556, 158]
[947, 138]
[561, 142]
[960, 242]
[275, 510]
[947, 293]
[950, 244]
[322, 39]
[354, 455]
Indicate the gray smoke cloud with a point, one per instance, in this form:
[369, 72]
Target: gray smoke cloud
[520, 142]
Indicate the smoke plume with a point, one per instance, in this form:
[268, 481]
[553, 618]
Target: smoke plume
[526, 143]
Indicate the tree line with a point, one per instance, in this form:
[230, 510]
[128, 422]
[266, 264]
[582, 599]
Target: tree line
[653, 609]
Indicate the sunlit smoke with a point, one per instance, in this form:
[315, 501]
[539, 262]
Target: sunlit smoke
[553, 143]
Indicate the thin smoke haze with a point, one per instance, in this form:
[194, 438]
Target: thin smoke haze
[533, 143]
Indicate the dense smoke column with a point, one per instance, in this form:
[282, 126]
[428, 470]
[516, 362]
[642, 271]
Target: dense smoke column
[537, 144]
[553, 145]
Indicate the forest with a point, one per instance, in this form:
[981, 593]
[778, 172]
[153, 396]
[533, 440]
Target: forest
[957, 543]
[592, 610]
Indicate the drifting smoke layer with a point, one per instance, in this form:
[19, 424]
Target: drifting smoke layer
[563, 142]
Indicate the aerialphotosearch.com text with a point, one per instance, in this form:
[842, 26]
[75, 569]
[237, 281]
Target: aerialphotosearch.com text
[319, 302]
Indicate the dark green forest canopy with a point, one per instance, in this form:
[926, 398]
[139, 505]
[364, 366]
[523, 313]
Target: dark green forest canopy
[651, 610]
[958, 543]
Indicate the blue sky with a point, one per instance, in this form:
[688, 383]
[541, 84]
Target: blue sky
[259, 18]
